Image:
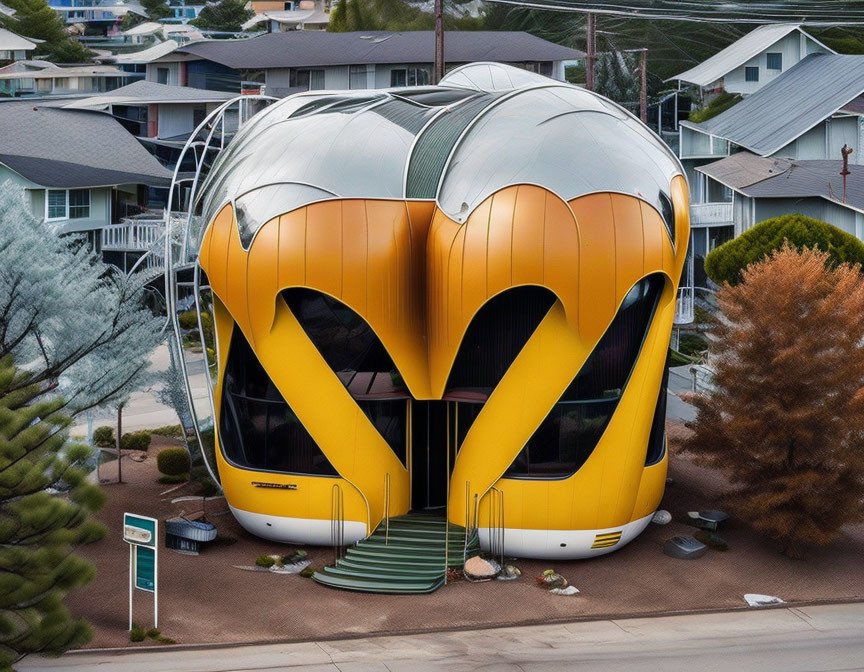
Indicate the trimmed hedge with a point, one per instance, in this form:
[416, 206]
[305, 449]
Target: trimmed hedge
[173, 461]
[135, 441]
[718, 105]
[103, 436]
[725, 263]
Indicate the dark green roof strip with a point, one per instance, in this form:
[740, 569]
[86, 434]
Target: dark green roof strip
[409, 116]
[435, 144]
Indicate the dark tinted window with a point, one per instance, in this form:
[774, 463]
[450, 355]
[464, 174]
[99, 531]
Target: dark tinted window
[350, 347]
[495, 337]
[571, 431]
[657, 437]
[258, 429]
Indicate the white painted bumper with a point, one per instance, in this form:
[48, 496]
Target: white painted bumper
[296, 530]
[563, 544]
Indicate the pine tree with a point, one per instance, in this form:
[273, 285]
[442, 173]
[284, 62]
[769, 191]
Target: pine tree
[46, 506]
[785, 420]
[226, 15]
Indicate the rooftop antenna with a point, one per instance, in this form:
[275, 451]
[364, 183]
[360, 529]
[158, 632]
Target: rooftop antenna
[846, 151]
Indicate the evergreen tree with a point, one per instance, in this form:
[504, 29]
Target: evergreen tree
[227, 15]
[784, 421]
[157, 9]
[352, 15]
[34, 18]
[726, 262]
[46, 508]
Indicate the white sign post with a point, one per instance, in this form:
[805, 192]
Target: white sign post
[141, 533]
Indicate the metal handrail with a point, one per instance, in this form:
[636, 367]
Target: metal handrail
[337, 521]
[496, 523]
[387, 508]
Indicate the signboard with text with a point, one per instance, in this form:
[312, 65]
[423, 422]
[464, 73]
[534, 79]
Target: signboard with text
[142, 535]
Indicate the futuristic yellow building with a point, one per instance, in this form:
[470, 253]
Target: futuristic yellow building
[456, 298]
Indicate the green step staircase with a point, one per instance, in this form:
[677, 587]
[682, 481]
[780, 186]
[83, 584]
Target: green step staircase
[409, 560]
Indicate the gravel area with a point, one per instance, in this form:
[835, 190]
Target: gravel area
[206, 599]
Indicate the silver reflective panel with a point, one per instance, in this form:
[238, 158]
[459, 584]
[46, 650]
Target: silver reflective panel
[563, 138]
[337, 145]
[492, 77]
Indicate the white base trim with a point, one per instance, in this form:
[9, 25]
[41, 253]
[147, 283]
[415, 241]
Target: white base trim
[296, 530]
[561, 544]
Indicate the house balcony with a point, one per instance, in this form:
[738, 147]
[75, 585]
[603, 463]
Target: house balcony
[711, 214]
[132, 235]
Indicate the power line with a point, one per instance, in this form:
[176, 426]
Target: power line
[815, 13]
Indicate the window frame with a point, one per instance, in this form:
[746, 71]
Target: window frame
[776, 55]
[66, 204]
[751, 73]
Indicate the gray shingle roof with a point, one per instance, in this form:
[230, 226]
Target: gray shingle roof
[791, 104]
[767, 178]
[302, 48]
[54, 147]
[142, 92]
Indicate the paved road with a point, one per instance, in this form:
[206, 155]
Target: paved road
[801, 639]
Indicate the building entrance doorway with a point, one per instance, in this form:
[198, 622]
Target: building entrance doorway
[429, 463]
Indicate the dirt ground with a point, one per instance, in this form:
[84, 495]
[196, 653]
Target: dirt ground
[206, 599]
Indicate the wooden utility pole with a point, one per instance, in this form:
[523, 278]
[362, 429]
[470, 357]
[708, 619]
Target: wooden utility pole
[643, 85]
[590, 50]
[438, 75]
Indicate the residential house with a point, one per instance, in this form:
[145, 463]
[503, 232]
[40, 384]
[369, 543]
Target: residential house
[806, 115]
[83, 172]
[302, 60]
[745, 66]
[134, 63]
[42, 78]
[304, 15]
[152, 30]
[14, 47]
[184, 11]
[162, 117]
[100, 16]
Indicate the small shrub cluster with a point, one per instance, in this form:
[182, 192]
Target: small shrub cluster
[692, 344]
[265, 561]
[168, 430]
[139, 634]
[173, 462]
[717, 106]
[103, 436]
[135, 441]
[281, 560]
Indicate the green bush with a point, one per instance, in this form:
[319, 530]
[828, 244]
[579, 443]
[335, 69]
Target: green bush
[103, 436]
[168, 430]
[691, 344]
[153, 633]
[188, 320]
[725, 263]
[173, 461]
[172, 480]
[135, 441]
[265, 561]
[137, 634]
[717, 106]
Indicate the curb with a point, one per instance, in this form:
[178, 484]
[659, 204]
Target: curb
[617, 616]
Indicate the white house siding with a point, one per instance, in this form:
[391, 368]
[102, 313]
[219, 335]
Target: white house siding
[794, 47]
[694, 144]
[336, 78]
[825, 140]
[843, 131]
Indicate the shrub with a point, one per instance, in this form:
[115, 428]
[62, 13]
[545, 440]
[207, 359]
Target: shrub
[691, 344]
[168, 430]
[726, 262]
[103, 436]
[153, 633]
[137, 634]
[171, 480]
[188, 320]
[135, 441]
[173, 461]
[265, 561]
[717, 106]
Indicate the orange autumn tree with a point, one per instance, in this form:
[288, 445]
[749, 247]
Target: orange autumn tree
[785, 420]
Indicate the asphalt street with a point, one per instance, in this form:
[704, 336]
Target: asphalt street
[803, 639]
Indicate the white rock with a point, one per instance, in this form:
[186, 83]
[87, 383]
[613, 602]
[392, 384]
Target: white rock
[569, 590]
[756, 600]
[662, 517]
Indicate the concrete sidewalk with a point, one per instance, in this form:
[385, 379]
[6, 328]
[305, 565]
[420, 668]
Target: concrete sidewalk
[826, 637]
